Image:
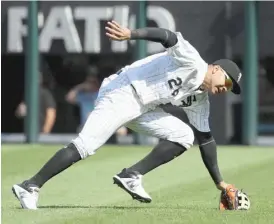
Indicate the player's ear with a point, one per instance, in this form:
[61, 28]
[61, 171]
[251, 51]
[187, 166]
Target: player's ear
[214, 69]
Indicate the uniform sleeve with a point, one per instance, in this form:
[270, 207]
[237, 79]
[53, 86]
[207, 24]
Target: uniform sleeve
[208, 149]
[209, 155]
[184, 52]
[160, 35]
[48, 99]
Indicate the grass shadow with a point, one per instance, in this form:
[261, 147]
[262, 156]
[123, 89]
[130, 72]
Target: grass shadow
[186, 207]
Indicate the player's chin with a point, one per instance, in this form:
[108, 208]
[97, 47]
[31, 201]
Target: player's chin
[216, 91]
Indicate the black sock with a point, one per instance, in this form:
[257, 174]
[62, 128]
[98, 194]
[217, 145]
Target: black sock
[63, 159]
[164, 152]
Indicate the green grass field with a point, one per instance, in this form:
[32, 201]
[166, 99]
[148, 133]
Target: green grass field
[182, 191]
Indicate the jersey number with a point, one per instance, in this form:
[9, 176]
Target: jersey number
[175, 85]
[188, 101]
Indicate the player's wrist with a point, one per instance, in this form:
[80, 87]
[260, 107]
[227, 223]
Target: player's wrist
[133, 34]
[221, 185]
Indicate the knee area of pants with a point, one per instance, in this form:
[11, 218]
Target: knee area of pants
[85, 148]
[203, 137]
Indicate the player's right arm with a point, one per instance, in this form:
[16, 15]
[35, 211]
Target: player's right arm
[166, 37]
[177, 47]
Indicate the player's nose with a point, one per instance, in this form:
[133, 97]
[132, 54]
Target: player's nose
[221, 89]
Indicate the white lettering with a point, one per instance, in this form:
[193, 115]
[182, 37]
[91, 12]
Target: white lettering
[92, 17]
[16, 29]
[40, 21]
[163, 19]
[60, 25]
[132, 26]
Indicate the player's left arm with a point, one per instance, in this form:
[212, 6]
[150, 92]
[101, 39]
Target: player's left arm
[166, 37]
[207, 144]
[230, 195]
[208, 149]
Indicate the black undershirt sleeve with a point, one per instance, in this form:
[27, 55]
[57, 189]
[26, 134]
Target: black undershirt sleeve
[209, 156]
[208, 151]
[160, 35]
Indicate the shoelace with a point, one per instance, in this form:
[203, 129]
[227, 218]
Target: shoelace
[31, 190]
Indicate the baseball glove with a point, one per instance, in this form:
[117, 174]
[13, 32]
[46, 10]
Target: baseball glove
[233, 199]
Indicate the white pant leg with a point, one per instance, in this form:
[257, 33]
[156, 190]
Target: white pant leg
[108, 79]
[116, 104]
[163, 125]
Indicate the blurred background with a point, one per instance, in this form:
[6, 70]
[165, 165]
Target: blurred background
[55, 55]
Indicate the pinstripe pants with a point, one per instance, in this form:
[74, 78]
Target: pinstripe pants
[118, 105]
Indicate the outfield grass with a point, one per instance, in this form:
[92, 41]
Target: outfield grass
[182, 191]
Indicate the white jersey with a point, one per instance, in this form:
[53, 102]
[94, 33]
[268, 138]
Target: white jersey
[197, 109]
[168, 77]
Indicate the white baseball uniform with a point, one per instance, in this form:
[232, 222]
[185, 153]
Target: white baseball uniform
[197, 109]
[133, 96]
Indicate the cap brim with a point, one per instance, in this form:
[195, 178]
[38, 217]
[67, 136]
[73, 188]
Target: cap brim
[236, 87]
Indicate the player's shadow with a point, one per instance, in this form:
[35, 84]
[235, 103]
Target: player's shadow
[181, 207]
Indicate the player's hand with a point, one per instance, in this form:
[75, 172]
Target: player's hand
[226, 197]
[233, 199]
[21, 110]
[71, 96]
[115, 32]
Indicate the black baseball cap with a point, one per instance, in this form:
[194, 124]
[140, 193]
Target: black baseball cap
[233, 71]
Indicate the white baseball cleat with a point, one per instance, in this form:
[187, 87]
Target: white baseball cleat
[131, 182]
[27, 195]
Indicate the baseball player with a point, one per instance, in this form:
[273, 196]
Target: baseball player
[133, 98]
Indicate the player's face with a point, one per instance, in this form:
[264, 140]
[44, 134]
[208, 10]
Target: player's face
[220, 81]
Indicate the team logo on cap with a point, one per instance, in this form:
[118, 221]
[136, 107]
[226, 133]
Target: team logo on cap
[239, 77]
